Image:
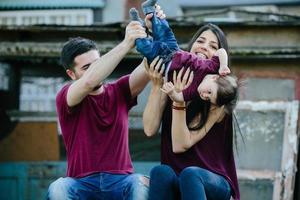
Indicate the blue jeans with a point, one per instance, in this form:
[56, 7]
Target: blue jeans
[192, 183]
[162, 44]
[99, 186]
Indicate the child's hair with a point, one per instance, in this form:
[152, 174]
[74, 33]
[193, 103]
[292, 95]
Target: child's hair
[74, 47]
[227, 95]
[227, 92]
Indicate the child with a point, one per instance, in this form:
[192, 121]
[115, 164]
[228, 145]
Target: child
[164, 44]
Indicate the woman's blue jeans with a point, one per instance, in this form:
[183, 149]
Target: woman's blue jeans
[193, 183]
[102, 186]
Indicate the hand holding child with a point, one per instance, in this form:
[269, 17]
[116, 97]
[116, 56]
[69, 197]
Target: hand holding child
[181, 82]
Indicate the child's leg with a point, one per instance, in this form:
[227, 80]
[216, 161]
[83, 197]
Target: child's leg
[148, 6]
[151, 49]
[134, 15]
[146, 46]
[161, 30]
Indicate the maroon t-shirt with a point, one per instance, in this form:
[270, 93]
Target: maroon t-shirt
[95, 132]
[213, 152]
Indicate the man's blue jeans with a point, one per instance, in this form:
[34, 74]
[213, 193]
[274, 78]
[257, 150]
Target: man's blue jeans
[102, 186]
[192, 183]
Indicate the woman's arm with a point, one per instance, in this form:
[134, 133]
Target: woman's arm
[157, 99]
[153, 111]
[182, 137]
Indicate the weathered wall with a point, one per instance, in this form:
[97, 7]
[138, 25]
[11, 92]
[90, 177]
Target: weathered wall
[31, 141]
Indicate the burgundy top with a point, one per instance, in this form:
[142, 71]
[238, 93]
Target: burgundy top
[95, 132]
[201, 67]
[214, 152]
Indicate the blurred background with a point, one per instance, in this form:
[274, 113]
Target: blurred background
[264, 40]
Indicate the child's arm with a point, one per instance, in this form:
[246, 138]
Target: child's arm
[223, 59]
[169, 89]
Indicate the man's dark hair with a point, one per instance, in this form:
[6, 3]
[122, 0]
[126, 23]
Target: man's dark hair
[74, 47]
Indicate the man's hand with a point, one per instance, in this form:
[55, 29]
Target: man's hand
[134, 30]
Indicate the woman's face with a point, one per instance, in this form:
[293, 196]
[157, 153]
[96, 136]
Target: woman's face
[206, 45]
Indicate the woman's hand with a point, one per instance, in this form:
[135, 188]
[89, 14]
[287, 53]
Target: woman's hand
[174, 91]
[155, 71]
[182, 81]
[169, 89]
[159, 13]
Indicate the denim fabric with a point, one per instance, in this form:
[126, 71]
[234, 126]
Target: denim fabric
[150, 49]
[163, 44]
[149, 6]
[163, 184]
[102, 186]
[198, 183]
[162, 32]
[192, 183]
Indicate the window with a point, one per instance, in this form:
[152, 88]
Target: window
[37, 94]
[267, 154]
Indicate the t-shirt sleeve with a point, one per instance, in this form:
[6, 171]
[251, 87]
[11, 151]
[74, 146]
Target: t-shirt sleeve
[123, 86]
[63, 110]
[213, 65]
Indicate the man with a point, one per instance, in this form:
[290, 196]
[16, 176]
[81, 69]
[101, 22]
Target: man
[94, 121]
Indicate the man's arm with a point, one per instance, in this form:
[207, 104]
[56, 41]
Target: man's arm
[104, 66]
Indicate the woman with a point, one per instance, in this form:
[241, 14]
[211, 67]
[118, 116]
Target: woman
[196, 140]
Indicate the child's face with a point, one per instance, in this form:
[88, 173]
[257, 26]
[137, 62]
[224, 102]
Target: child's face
[208, 88]
[206, 45]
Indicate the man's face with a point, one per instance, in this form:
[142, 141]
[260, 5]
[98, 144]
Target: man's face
[208, 88]
[82, 63]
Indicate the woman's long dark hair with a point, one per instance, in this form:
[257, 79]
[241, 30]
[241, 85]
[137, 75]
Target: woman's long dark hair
[195, 107]
[198, 105]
